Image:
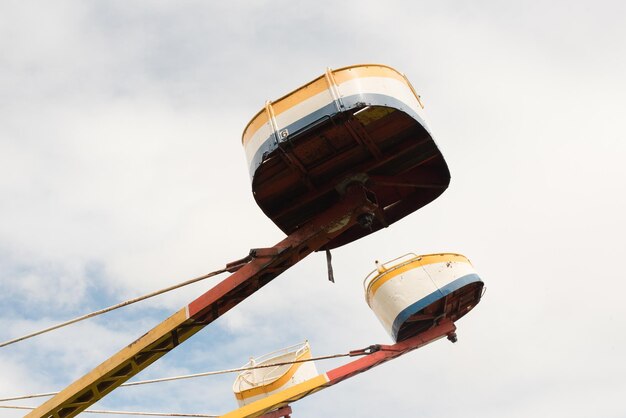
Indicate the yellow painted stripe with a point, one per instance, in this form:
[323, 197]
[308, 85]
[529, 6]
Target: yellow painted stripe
[361, 71]
[249, 393]
[279, 399]
[419, 261]
[317, 86]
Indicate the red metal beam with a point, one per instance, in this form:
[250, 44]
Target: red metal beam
[389, 352]
[284, 412]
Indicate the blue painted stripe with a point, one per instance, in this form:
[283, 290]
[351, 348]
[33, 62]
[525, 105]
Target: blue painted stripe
[329, 110]
[433, 297]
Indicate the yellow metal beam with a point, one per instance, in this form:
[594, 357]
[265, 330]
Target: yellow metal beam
[119, 368]
[277, 400]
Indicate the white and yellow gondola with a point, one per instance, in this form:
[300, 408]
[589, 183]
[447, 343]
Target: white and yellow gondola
[287, 369]
[362, 123]
[411, 293]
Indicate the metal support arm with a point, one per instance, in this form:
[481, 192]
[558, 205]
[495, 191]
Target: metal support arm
[262, 266]
[378, 354]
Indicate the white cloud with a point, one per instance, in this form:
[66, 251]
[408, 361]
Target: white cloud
[121, 172]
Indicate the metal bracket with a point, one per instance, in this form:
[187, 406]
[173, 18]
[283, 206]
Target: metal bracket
[334, 91]
[366, 351]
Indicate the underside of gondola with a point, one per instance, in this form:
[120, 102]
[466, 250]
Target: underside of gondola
[394, 157]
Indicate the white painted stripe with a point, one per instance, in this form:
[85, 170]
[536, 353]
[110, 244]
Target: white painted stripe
[382, 85]
[289, 116]
[364, 85]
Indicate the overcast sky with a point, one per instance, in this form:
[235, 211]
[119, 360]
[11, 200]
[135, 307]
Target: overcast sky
[122, 171]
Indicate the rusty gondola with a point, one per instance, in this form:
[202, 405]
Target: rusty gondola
[359, 124]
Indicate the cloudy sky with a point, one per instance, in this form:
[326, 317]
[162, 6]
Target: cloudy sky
[121, 172]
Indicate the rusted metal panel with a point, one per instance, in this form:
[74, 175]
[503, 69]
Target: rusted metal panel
[284, 412]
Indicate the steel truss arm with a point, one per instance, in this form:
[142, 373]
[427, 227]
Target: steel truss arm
[264, 265]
